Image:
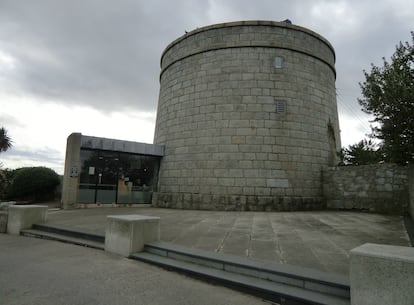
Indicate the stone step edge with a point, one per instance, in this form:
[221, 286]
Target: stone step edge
[292, 275]
[62, 238]
[70, 232]
[304, 278]
[273, 291]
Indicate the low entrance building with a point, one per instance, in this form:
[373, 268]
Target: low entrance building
[100, 171]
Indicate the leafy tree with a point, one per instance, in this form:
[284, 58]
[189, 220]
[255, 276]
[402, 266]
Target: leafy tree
[388, 94]
[5, 140]
[361, 153]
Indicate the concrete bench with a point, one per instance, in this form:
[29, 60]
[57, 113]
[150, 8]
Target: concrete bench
[127, 234]
[24, 216]
[382, 274]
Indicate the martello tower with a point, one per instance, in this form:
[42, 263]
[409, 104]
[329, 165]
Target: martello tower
[247, 113]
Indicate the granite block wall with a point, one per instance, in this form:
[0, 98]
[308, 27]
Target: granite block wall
[379, 188]
[239, 132]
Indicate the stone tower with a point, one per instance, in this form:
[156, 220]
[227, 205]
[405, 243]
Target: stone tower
[247, 113]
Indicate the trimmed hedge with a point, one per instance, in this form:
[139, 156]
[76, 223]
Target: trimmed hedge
[33, 184]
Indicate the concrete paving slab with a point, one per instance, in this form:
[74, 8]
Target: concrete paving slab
[319, 240]
[43, 272]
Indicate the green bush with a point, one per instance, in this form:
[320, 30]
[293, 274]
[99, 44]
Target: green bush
[5, 180]
[33, 184]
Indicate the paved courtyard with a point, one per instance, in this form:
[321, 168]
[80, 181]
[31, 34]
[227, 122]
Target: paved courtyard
[43, 272]
[319, 240]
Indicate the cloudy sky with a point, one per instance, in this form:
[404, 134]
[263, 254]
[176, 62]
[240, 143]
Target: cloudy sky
[92, 66]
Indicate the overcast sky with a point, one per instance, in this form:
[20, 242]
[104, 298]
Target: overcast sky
[92, 66]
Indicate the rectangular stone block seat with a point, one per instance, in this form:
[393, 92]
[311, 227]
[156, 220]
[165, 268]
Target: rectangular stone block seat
[24, 216]
[127, 234]
[382, 274]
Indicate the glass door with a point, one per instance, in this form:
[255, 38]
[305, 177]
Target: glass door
[137, 178]
[107, 176]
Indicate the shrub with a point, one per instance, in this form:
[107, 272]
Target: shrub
[5, 180]
[33, 184]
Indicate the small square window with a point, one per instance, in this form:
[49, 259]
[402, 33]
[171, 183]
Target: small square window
[280, 107]
[278, 62]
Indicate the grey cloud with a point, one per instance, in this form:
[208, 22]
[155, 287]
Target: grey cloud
[42, 155]
[105, 54]
[8, 121]
[17, 158]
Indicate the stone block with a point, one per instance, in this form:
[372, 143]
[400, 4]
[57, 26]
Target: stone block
[279, 183]
[24, 216]
[127, 234]
[3, 221]
[382, 274]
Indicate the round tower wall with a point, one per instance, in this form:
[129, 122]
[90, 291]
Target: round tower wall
[247, 113]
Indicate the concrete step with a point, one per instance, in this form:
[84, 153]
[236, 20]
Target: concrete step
[65, 235]
[70, 232]
[275, 281]
[279, 283]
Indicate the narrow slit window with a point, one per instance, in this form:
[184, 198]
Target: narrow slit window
[278, 62]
